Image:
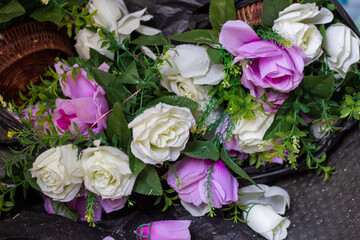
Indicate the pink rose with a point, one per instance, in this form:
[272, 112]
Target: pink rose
[87, 106]
[164, 230]
[191, 183]
[270, 66]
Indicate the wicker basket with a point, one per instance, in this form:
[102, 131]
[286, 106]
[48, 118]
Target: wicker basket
[26, 50]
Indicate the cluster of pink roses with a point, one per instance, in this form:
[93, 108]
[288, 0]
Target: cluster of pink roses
[87, 103]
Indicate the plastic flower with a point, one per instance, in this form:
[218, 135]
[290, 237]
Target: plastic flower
[160, 133]
[88, 105]
[266, 222]
[298, 22]
[58, 173]
[107, 172]
[164, 230]
[190, 177]
[343, 47]
[269, 66]
[87, 39]
[274, 196]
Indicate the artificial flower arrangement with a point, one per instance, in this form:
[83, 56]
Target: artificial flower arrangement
[135, 113]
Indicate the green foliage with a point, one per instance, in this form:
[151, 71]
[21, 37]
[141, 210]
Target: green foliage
[158, 40]
[148, 182]
[201, 150]
[318, 2]
[91, 203]
[236, 215]
[233, 166]
[319, 86]
[169, 196]
[197, 36]
[268, 34]
[11, 10]
[51, 12]
[221, 11]
[62, 210]
[176, 101]
[271, 9]
[136, 165]
[208, 184]
[214, 55]
[117, 126]
[350, 107]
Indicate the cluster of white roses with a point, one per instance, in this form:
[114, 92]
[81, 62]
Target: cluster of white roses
[104, 170]
[115, 17]
[341, 44]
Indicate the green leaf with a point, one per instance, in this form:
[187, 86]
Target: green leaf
[157, 40]
[118, 126]
[131, 74]
[11, 10]
[214, 55]
[271, 9]
[148, 182]
[197, 36]
[323, 34]
[176, 101]
[233, 166]
[280, 123]
[319, 86]
[28, 177]
[50, 12]
[62, 210]
[113, 87]
[136, 165]
[100, 57]
[318, 2]
[221, 11]
[201, 150]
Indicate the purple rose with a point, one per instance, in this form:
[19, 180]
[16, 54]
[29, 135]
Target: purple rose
[190, 183]
[79, 205]
[270, 66]
[87, 107]
[81, 86]
[165, 230]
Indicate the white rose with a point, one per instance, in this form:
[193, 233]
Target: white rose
[107, 172]
[87, 39]
[306, 36]
[274, 196]
[308, 13]
[107, 12]
[58, 173]
[342, 45]
[185, 87]
[114, 16]
[297, 22]
[160, 133]
[266, 222]
[250, 132]
[191, 62]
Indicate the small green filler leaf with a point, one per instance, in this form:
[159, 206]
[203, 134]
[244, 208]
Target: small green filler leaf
[176, 101]
[201, 150]
[221, 11]
[271, 9]
[148, 182]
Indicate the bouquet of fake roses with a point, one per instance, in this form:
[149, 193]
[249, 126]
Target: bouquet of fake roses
[135, 113]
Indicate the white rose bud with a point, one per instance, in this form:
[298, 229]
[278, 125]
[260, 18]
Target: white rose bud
[160, 133]
[58, 173]
[250, 132]
[306, 36]
[107, 172]
[266, 222]
[87, 39]
[342, 45]
[274, 196]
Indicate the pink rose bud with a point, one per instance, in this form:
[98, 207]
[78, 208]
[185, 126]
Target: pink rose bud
[164, 230]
